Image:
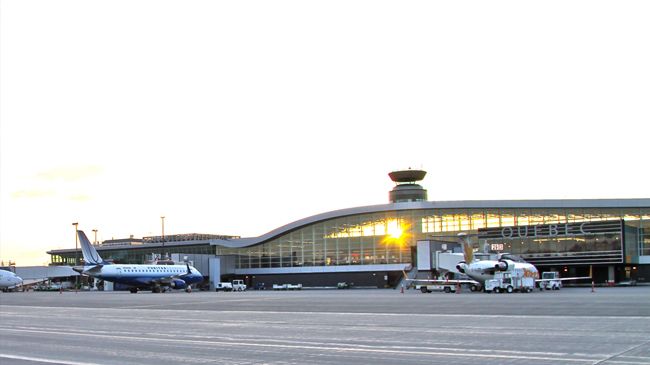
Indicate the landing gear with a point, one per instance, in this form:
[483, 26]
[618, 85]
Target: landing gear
[134, 290]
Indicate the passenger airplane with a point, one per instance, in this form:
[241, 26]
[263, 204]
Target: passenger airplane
[158, 278]
[482, 270]
[9, 280]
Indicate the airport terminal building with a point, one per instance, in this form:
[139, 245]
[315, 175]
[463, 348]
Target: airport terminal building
[370, 246]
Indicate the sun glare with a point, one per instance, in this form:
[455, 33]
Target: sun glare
[395, 235]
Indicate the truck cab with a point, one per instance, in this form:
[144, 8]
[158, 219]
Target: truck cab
[505, 282]
[551, 281]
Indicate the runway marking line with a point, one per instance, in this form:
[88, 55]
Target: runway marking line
[48, 361]
[323, 348]
[344, 313]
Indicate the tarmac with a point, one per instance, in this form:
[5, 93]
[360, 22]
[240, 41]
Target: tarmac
[378, 326]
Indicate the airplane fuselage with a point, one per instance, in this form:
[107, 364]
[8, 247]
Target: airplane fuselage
[9, 280]
[484, 270]
[146, 275]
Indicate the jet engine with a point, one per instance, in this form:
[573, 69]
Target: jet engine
[461, 267]
[177, 284]
[503, 265]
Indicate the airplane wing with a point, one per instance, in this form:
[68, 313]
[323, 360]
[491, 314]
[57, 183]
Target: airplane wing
[169, 279]
[165, 280]
[563, 279]
[439, 281]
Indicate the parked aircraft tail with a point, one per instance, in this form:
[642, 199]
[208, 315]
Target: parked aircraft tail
[468, 252]
[91, 257]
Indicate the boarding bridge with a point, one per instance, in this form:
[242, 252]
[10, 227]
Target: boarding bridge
[438, 257]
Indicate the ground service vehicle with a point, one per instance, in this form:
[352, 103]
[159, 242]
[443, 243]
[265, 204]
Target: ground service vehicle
[505, 282]
[224, 287]
[550, 281]
[238, 285]
[428, 288]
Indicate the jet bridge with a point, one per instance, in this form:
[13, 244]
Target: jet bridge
[438, 256]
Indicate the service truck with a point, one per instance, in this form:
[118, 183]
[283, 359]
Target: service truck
[551, 281]
[440, 284]
[224, 287]
[505, 282]
[236, 285]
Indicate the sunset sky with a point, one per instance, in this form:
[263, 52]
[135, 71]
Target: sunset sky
[236, 118]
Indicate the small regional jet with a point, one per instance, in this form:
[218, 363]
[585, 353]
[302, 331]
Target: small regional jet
[9, 280]
[157, 278]
[482, 270]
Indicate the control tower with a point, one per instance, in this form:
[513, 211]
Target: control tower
[406, 190]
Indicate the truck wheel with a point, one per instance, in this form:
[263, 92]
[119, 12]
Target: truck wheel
[509, 289]
[423, 289]
[447, 289]
[473, 288]
[497, 290]
[238, 289]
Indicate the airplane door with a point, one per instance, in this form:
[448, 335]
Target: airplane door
[119, 272]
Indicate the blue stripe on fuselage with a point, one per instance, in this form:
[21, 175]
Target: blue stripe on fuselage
[133, 275]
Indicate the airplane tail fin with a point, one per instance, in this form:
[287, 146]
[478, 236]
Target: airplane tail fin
[468, 252]
[91, 257]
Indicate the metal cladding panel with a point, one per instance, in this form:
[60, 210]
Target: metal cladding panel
[424, 255]
[215, 272]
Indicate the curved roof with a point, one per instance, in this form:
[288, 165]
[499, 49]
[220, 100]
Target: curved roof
[465, 204]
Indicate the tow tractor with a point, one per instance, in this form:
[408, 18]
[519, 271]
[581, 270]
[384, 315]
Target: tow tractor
[552, 281]
[505, 282]
[439, 285]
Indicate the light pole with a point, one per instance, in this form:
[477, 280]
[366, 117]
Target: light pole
[162, 254]
[76, 254]
[95, 243]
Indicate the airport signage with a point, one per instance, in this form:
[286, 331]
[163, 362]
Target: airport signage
[552, 230]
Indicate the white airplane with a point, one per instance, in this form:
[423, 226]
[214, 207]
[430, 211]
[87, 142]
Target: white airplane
[9, 280]
[482, 270]
[157, 278]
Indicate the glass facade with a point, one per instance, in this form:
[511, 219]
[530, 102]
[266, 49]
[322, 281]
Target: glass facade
[128, 255]
[387, 237]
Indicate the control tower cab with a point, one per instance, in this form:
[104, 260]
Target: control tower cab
[406, 190]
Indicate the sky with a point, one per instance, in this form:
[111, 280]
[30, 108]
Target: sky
[236, 118]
